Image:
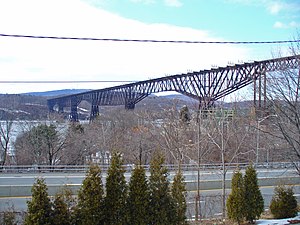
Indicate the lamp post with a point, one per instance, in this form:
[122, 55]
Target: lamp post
[198, 206]
[258, 135]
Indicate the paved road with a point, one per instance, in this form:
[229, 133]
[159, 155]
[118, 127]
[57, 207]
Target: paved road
[210, 198]
[210, 201]
[77, 178]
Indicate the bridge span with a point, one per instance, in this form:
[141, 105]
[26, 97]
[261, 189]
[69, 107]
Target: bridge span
[206, 86]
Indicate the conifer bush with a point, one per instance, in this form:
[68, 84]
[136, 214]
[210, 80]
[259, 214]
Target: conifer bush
[60, 214]
[138, 198]
[254, 202]
[63, 207]
[8, 217]
[89, 209]
[40, 207]
[283, 203]
[179, 196]
[162, 206]
[236, 200]
[116, 193]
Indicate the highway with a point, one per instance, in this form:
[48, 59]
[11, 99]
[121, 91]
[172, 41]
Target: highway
[77, 178]
[210, 201]
[15, 189]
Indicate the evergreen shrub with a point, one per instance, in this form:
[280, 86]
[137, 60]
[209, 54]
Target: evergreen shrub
[283, 203]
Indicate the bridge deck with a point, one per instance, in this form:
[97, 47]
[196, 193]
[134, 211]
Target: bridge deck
[206, 86]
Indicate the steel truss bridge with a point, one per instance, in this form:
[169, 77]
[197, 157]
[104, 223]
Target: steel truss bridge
[206, 86]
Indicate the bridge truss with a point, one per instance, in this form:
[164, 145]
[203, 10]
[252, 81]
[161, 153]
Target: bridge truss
[206, 86]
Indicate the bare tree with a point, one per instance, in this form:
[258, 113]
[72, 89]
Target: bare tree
[5, 137]
[22, 155]
[283, 92]
[173, 132]
[130, 132]
[140, 148]
[228, 135]
[75, 148]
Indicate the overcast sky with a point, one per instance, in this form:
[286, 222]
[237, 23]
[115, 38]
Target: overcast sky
[25, 59]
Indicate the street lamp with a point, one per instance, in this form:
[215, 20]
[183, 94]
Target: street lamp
[198, 206]
[258, 134]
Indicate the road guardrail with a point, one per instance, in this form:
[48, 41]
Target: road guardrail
[129, 167]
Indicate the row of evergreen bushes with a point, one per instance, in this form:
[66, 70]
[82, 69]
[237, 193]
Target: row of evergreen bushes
[245, 202]
[142, 201]
[145, 201]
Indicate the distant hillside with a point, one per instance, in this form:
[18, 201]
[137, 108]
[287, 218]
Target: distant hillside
[23, 107]
[57, 92]
[33, 106]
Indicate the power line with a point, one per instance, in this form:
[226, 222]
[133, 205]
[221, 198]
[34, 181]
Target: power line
[82, 81]
[147, 40]
[63, 81]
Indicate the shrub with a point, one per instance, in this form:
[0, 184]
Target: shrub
[178, 191]
[236, 200]
[254, 202]
[116, 192]
[89, 209]
[39, 208]
[8, 217]
[162, 206]
[63, 206]
[283, 203]
[138, 198]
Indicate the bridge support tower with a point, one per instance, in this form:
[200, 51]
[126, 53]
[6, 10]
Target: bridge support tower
[260, 93]
[94, 111]
[74, 113]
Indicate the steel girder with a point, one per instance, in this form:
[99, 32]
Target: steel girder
[206, 86]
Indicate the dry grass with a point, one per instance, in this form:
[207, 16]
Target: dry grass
[266, 215]
[211, 222]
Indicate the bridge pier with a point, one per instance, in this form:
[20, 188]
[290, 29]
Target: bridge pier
[129, 106]
[60, 108]
[260, 92]
[94, 112]
[74, 113]
[51, 106]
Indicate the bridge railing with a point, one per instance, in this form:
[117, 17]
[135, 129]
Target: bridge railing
[130, 167]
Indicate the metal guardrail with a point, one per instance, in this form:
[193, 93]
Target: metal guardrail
[129, 167]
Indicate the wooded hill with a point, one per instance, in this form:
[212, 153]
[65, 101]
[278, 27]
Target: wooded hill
[33, 106]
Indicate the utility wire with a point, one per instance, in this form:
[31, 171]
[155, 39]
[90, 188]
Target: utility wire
[86, 81]
[63, 81]
[147, 40]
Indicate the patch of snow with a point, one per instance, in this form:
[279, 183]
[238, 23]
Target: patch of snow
[5, 110]
[14, 111]
[278, 221]
[83, 110]
[33, 104]
[21, 111]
